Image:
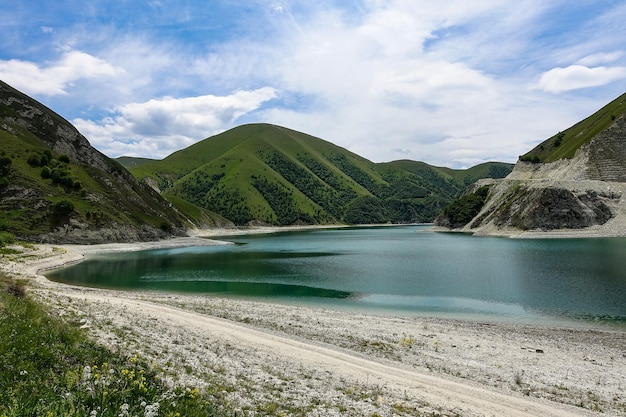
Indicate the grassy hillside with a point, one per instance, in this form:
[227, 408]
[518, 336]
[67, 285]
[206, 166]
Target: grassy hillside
[263, 173]
[131, 161]
[565, 144]
[55, 187]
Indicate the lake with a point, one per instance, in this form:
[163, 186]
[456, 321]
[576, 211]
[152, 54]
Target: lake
[398, 269]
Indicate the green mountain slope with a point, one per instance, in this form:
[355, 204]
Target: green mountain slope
[131, 161]
[268, 174]
[565, 144]
[55, 187]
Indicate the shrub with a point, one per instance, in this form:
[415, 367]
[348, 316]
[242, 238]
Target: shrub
[5, 166]
[6, 238]
[462, 211]
[46, 172]
[559, 139]
[63, 208]
[34, 160]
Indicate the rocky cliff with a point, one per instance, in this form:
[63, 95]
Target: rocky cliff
[584, 195]
[55, 187]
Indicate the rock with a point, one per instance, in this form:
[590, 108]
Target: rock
[582, 193]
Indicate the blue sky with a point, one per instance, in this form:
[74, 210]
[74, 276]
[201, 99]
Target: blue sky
[452, 83]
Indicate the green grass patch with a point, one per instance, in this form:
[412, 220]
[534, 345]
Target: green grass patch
[51, 368]
[565, 144]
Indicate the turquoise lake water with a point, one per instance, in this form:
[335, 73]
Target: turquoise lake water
[406, 269]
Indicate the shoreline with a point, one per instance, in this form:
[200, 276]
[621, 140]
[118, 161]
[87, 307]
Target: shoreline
[360, 363]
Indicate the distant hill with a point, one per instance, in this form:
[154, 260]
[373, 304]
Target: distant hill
[131, 161]
[267, 174]
[55, 187]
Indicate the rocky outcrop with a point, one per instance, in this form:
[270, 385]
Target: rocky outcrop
[584, 194]
[108, 204]
[607, 154]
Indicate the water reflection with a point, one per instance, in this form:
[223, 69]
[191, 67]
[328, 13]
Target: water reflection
[399, 267]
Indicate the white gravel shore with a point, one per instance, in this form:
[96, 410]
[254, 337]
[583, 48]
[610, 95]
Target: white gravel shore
[275, 359]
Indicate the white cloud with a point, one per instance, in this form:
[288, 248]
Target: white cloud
[451, 84]
[54, 78]
[157, 128]
[559, 79]
[600, 58]
[380, 93]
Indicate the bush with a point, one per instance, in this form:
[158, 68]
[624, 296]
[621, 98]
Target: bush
[5, 166]
[46, 172]
[63, 208]
[532, 159]
[462, 211]
[34, 161]
[6, 238]
[559, 139]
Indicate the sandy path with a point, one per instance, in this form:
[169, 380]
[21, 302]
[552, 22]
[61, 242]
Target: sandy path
[435, 390]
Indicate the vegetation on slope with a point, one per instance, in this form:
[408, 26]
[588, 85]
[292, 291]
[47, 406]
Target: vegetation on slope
[268, 174]
[129, 162]
[54, 186]
[565, 144]
[462, 210]
[50, 368]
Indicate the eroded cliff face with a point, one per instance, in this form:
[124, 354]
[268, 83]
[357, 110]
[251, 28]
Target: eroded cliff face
[586, 193]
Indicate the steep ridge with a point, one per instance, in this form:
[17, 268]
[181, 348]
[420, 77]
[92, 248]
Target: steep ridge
[55, 187]
[584, 195]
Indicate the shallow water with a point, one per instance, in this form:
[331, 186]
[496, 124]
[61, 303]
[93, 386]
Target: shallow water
[390, 269]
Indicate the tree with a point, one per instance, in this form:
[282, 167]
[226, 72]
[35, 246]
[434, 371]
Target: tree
[366, 210]
[5, 166]
[463, 210]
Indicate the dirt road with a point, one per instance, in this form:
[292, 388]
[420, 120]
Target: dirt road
[447, 392]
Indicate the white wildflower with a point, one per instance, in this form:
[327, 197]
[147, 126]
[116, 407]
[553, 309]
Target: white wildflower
[86, 373]
[152, 410]
[124, 409]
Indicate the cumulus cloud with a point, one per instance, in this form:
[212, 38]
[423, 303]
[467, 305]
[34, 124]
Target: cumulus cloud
[383, 93]
[159, 127]
[559, 79]
[54, 78]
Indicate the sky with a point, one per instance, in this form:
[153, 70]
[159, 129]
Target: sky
[452, 83]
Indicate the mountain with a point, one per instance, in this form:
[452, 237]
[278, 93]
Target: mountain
[268, 174]
[131, 161]
[573, 181]
[565, 144]
[55, 187]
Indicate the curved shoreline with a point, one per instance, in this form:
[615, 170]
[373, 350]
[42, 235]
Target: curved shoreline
[368, 363]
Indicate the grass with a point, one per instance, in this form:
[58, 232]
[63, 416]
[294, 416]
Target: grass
[51, 368]
[565, 144]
